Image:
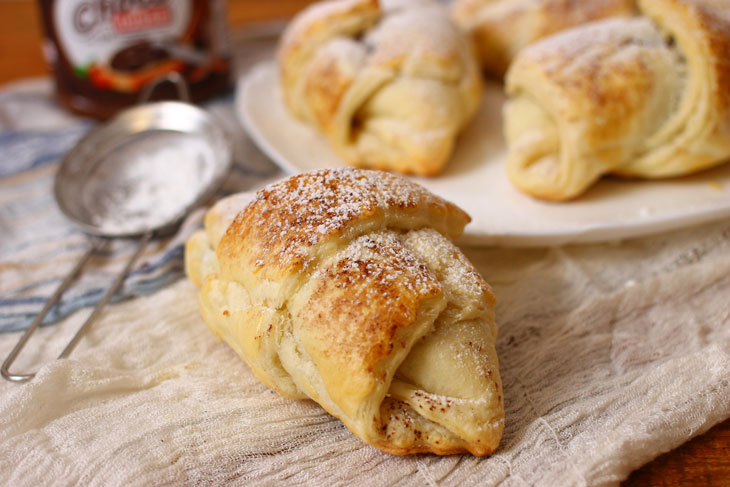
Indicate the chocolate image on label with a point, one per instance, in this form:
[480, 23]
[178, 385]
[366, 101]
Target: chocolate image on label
[138, 56]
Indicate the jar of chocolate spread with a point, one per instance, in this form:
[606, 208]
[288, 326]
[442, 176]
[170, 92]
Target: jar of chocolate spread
[103, 52]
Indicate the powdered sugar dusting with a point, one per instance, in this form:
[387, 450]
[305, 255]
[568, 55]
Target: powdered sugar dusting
[348, 67]
[359, 297]
[576, 45]
[310, 18]
[286, 220]
[420, 40]
[464, 288]
[148, 182]
[380, 257]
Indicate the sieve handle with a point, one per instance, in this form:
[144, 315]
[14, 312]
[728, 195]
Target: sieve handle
[70, 277]
[183, 92]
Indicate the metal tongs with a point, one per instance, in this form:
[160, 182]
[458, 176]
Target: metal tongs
[93, 184]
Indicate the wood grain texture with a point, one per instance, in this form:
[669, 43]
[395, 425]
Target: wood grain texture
[703, 461]
[20, 41]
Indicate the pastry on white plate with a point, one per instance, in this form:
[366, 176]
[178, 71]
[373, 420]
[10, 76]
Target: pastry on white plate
[645, 97]
[389, 83]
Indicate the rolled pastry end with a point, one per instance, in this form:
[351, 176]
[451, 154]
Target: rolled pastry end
[589, 101]
[537, 161]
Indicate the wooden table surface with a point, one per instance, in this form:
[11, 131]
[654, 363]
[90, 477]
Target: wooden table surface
[703, 461]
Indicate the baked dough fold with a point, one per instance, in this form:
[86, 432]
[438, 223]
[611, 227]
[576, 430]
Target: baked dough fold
[389, 83]
[342, 286]
[500, 28]
[642, 97]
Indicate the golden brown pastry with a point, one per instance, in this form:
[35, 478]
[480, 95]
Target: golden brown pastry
[501, 28]
[389, 83]
[342, 286]
[643, 97]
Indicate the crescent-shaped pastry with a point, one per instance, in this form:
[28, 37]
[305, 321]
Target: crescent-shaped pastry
[342, 286]
[390, 83]
[501, 28]
[642, 97]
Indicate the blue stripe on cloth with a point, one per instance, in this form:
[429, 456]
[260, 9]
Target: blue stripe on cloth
[169, 260]
[17, 312]
[11, 322]
[22, 151]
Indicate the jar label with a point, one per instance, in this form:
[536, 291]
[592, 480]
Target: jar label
[120, 35]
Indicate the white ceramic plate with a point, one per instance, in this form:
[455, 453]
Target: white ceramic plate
[475, 179]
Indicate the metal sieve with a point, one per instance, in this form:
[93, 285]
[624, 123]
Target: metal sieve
[136, 175]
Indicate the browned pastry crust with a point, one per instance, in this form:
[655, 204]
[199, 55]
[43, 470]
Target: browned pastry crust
[641, 97]
[501, 28]
[342, 286]
[390, 83]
